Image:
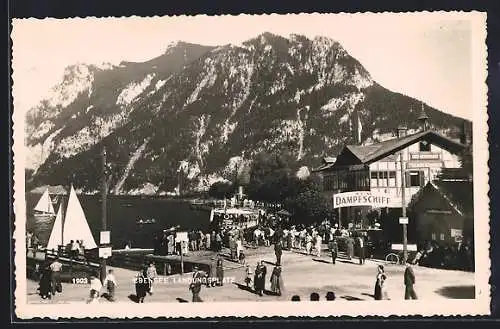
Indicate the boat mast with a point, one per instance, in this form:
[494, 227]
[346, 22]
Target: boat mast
[63, 215]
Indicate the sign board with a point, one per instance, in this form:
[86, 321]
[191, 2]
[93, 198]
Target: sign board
[181, 236]
[105, 252]
[454, 233]
[105, 237]
[403, 220]
[399, 247]
[361, 198]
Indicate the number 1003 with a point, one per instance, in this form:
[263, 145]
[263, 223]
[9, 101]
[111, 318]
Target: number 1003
[80, 280]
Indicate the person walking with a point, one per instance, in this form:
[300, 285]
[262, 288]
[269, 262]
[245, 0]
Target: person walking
[110, 284]
[361, 246]
[95, 289]
[55, 276]
[141, 284]
[239, 247]
[152, 274]
[220, 272]
[277, 281]
[207, 241]
[334, 249]
[259, 280]
[278, 251]
[195, 285]
[309, 240]
[409, 280]
[248, 276]
[379, 293]
[45, 285]
[319, 242]
[350, 248]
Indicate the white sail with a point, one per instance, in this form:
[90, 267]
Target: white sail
[45, 204]
[56, 235]
[75, 223]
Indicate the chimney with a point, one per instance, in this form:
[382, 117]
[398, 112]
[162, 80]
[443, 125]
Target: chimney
[401, 131]
[423, 119]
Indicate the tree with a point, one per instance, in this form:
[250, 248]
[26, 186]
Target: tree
[220, 190]
[307, 205]
[269, 173]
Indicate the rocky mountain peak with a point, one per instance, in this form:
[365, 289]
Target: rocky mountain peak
[201, 107]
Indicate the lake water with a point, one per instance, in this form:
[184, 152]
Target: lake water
[123, 211]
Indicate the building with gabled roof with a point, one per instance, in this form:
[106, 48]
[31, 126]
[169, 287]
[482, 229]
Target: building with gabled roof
[383, 168]
[443, 211]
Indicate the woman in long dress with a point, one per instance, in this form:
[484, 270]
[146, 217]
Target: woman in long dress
[277, 286]
[45, 287]
[220, 272]
[259, 279]
[380, 292]
[142, 285]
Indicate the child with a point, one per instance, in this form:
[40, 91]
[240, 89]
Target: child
[110, 284]
[249, 274]
[95, 289]
[242, 258]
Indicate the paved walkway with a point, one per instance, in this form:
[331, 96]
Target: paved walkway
[302, 275]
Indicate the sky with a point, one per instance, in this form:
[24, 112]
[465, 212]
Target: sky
[427, 56]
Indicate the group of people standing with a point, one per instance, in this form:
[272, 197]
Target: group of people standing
[50, 279]
[258, 277]
[380, 292]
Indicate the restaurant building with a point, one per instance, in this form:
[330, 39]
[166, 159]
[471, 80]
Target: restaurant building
[377, 175]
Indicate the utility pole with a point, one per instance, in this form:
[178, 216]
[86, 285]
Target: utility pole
[104, 207]
[403, 207]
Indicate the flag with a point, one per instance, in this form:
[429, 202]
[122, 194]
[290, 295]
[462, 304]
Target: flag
[360, 128]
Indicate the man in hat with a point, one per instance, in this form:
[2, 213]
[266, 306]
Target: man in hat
[409, 280]
[195, 285]
[334, 250]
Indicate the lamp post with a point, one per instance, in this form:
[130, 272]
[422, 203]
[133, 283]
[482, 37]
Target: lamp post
[403, 207]
[104, 208]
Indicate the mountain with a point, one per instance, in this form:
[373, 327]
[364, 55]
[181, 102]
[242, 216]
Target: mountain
[205, 111]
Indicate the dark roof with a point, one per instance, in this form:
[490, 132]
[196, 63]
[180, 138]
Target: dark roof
[367, 154]
[458, 194]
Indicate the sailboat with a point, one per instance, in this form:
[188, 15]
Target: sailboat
[72, 225]
[44, 209]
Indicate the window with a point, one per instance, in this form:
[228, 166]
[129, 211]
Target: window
[441, 236]
[425, 146]
[335, 183]
[414, 179]
[433, 236]
[382, 178]
[374, 179]
[392, 178]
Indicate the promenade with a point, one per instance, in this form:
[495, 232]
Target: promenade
[302, 275]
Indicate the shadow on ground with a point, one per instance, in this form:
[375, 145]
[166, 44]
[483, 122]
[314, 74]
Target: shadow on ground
[350, 298]
[321, 261]
[244, 287]
[458, 292]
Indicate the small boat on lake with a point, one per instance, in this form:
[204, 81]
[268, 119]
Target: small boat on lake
[44, 209]
[145, 221]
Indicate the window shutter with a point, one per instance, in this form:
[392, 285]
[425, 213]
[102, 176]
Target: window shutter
[407, 179]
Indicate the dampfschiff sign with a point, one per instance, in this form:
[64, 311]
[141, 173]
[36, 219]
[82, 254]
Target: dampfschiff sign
[360, 198]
